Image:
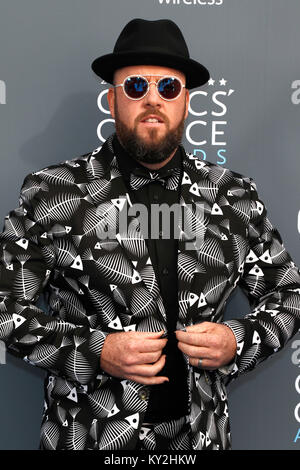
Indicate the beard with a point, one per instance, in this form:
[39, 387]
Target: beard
[158, 149]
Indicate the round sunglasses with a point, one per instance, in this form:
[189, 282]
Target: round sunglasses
[136, 87]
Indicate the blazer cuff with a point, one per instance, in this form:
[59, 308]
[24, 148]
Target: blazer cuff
[101, 338]
[230, 368]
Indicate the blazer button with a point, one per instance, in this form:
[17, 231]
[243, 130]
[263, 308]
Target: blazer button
[144, 394]
[207, 379]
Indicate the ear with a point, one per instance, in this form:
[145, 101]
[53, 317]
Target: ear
[111, 101]
[187, 98]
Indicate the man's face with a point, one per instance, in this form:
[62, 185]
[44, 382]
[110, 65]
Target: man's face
[150, 143]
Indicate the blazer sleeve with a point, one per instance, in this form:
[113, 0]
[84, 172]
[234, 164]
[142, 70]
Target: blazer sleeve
[27, 259]
[271, 282]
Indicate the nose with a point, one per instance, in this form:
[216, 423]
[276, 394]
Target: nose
[152, 98]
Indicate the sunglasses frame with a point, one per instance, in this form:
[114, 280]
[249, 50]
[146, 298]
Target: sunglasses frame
[148, 85]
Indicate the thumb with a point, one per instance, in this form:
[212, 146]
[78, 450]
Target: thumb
[154, 334]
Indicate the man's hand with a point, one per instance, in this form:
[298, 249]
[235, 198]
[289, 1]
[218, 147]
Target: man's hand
[214, 343]
[134, 355]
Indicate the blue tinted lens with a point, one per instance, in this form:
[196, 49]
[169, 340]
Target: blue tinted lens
[169, 87]
[135, 87]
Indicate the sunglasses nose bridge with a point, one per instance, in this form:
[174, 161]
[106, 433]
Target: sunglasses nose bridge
[148, 92]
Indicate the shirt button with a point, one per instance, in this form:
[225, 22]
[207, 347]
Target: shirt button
[161, 233]
[144, 394]
[155, 197]
[165, 271]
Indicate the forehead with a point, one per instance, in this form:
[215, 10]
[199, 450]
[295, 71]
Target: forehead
[123, 72]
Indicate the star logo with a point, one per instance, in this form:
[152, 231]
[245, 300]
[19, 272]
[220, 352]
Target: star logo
[222, 82]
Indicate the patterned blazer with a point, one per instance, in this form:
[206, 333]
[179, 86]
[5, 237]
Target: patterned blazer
[54, 243]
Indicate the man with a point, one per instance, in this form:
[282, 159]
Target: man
[134, 344]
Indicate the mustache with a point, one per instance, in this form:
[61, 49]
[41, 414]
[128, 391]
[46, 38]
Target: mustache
[148, 113]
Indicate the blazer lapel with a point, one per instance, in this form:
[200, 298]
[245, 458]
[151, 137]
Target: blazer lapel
[198, 196]
[110, 196]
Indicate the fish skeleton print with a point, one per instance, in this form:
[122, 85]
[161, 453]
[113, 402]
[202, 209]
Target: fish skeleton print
[54, 244]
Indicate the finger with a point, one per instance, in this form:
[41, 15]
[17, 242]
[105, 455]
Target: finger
[147, 380]
[147, 370]
[148, 358]
[150, 334]
[152, 345]
[195, 351]
[201, 327]
[207, 364]
[195, 338]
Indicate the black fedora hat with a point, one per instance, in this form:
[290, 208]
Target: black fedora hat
[145, 42]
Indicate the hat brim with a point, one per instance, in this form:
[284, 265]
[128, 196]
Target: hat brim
[105, 66]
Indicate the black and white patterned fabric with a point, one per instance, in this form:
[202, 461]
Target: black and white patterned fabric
[174, 434]
[56, 242]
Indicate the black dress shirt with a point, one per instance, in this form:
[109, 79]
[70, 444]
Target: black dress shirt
[170, 399]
